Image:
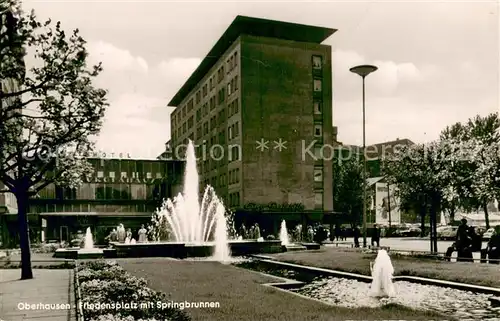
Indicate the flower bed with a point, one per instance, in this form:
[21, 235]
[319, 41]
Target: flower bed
[108, 293]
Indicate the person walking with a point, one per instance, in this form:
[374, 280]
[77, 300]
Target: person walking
[356, 233]
[376, 235]
[337, 232]
[463, 241]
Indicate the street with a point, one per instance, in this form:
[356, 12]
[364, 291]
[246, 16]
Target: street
[414, 244]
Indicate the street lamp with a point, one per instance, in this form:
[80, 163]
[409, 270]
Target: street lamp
[363, 71]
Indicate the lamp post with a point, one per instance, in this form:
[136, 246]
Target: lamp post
[363, 71]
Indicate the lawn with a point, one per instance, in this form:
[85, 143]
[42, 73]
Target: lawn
[242, 296]
[347, 260]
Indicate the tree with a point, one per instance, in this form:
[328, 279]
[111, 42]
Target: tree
[348, 188]
[48, 117]
[474, 161]
[420, 174]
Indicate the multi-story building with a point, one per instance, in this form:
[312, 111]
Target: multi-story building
[259, 109]
[123, 191]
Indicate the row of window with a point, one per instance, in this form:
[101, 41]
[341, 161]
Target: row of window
[92, 208]
[233, 108]
[134, 168]
[219, 158]
[105, 191]
[232, 63]
[233, 131]
[317, 66]
[234, 199]
[234, 176]
[232, 86]
[202, 112]
[148, 175]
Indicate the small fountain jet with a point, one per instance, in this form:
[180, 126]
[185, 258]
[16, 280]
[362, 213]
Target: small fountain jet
[382, 274]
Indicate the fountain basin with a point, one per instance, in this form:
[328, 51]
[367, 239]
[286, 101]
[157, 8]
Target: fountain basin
[293, 247]
[183, 250]
[161, 249]
[311, 246]
[352, 291]
[77, 253]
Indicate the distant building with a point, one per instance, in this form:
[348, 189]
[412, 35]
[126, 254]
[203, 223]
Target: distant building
[123, 191]
[167, 154]
[375, 153]
[264, 83]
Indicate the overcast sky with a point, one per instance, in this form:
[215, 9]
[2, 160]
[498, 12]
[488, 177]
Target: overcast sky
[438, 61]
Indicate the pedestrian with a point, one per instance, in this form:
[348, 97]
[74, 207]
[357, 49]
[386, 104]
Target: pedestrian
[376, 235]
[463, 241]
[343, 233]
[337, 232]
[493, 248]
[356, 233]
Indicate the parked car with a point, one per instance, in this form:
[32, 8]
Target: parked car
[410, 232]
[488, 234]
[447, 232]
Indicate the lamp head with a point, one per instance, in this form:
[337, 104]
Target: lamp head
[363, 70]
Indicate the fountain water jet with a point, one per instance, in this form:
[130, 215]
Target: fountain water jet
[382, 274]
[222, 251]
[89, 241]
[284, 234]
[187, 220]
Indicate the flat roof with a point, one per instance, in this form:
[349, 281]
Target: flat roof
[254, 27]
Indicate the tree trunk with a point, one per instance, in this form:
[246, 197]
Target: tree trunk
[434, 213]
[24, 236]
[434, 231]
[486, 215]
[422, 220]
[431, 230]
[452, 216]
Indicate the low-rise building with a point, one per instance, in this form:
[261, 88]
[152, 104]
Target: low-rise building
[123, 191]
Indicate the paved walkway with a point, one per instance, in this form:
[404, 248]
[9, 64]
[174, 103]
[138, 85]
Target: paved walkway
[50, 294]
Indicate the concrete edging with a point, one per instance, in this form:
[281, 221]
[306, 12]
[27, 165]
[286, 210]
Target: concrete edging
[365, 278]
[78, 295]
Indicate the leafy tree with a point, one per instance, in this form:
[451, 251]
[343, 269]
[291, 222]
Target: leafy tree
[419, 172]
[348, 188]
[474, 161]
[47, 115]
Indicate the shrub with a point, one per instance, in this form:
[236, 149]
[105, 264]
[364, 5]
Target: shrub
[109, 284]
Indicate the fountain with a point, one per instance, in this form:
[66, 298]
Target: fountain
[284, 234]
[222, 251]
[184, 219]
[187, 227]
[89, 240]
[443, 219]
[87, 252]
[382, 274]
[286, 245]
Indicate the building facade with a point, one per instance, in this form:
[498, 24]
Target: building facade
[123, 191]
[259, 110]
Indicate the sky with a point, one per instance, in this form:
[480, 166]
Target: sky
[438, 61]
